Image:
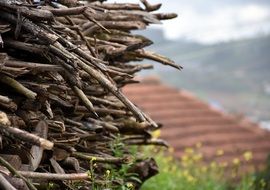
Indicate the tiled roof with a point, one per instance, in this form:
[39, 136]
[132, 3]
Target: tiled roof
[187, 121]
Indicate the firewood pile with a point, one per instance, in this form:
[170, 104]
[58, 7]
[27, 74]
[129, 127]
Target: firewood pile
[64, 122]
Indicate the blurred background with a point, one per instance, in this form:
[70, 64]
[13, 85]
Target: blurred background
[224, 47]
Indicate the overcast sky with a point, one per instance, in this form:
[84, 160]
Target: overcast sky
[210, 21]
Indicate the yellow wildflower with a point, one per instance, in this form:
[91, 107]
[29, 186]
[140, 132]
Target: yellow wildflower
[171, 150]
[224, 164]
[185, 173]
[130, 185]
[213, 165]
[166, 170]
[197, 157]
[169, 158]
[108, 172]
[198, 145]
[236, 161]
[184, 158]
[93, 159]
[189, 150]
[262, 183]
[156, 134]
[248, 155]
[250, 183]
[204, 169]
[191, 179]
[220, 152]
[89, 174]
[174, 168]
[234, 174]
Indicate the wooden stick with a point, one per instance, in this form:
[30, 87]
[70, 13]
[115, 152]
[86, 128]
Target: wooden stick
[34, 66]
[68, 11]
[106, 125]
[118, 6]
[78, 29]
[5, 99]
[37, 151]
[150, 7]
[85, 100]
[96, 22]
[101, 78]
[111, 160]
[27, 137]
[35, 30]
[54, 176]
[4, 183]
[166, 16]
[1, 42]
[17, 86]
[29, 13]
[124, 25]
[156, 57]
[157, 142]
[4, 163]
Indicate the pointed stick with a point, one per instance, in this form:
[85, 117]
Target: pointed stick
[156, 57]
[84, 100]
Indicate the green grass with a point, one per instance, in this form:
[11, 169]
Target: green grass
[190, 173]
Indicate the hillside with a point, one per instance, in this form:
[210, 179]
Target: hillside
[233, 75]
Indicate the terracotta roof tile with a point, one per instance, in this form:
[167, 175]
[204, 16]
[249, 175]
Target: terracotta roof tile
[187, 120]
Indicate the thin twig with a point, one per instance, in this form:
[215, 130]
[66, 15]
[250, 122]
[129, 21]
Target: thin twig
[54, 176]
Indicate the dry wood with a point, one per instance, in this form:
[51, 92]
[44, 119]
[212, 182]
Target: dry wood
[4, 120]
[72, 162]
[37, 151]
[53, 176]
[117, 6]
[5, 99]
[27, 137]
[101, 159]
[1, 41]
[57, 168]
[17, 86]
[150, 7]
[18, 183]
[68, 11]
[4, 184]
[27, 12]
[62, 67]
[15, 172]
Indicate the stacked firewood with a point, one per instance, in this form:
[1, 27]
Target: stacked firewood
[64, 122]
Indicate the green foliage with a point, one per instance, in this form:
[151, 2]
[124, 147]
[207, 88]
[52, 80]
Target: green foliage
[191, 173]
[110, 176]
[263, 178]
[188, 173]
